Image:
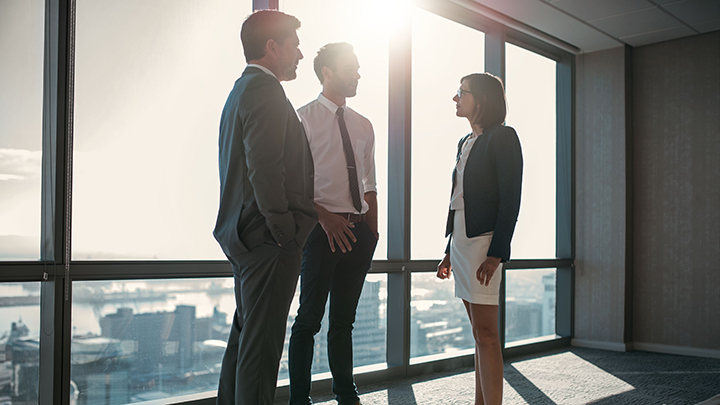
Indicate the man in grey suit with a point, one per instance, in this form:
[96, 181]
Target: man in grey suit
[266, 205]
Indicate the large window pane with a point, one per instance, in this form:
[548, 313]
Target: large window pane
[19, 342]
[151, 80]
[531, 93]
[156, 339]
[530, 305]
[369, 333]
[442, 53]
[360, 24]
[21, 97]
[439, 325]
[148, 339]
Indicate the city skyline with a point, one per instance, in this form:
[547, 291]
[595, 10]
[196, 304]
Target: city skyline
[439, 326]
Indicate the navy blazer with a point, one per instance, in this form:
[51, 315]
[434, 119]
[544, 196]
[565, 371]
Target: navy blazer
[266, 168]
[492, 183]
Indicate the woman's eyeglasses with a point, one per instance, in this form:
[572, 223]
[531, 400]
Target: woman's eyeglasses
[461, 91]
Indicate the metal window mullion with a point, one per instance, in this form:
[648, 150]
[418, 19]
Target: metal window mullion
[18, 272]
[564, 124]
[54, 340]
[133, 270]
[495, 51]
[495, 64]
[399, 148]
[563, 301]
[399, 167]
[565, 213]
[266, 4]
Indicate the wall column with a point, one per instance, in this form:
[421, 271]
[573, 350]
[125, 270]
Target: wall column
[604, 200]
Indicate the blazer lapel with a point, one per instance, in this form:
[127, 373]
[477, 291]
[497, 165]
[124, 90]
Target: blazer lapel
[457, 157]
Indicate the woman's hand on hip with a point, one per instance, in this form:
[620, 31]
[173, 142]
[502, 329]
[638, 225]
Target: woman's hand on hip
[444, 268]
[487, 269]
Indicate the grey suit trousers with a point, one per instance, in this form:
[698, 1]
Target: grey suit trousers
[265, 283]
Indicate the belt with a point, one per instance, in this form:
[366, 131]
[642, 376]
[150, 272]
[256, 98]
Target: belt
[354, 218]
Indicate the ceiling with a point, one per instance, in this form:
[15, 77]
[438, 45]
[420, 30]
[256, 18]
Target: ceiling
[591, 25]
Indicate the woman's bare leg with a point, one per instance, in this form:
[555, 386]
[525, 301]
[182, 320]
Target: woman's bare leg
[488, 353]
[478, 386]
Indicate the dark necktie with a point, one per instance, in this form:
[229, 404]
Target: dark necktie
[350, 160]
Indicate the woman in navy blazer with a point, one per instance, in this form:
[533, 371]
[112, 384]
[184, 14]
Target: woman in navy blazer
[484, 206]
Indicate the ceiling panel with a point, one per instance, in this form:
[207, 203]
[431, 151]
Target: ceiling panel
[636, 23]
[695, 11]
[594, 9]
[708, 26]
[543, 17]
[593, 25]
[658, 36]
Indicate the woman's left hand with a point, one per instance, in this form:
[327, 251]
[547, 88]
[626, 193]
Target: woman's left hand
[487, 269]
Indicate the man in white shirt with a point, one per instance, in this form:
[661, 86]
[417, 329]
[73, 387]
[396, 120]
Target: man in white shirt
[339, 250]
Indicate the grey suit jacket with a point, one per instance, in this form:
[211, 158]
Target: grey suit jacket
[266, 169]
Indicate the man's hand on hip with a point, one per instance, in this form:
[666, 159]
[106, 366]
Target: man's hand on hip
[337, 229]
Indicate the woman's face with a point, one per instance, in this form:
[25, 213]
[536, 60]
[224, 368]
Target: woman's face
[465, 105]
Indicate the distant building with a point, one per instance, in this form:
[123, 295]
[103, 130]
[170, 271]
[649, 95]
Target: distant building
[148, 354]
[524, 319]
[443, 326]
[369, 334]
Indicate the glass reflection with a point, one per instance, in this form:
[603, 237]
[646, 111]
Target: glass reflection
[146, 112]
[435, 128]
[531, 96]
[530, 304]
[368, 31]
[154, 339]
[21, 117]
[19, 342]
[369, 333]
[148, 339]
[439, 325]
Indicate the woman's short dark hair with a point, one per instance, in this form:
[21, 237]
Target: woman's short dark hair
[328, 55]
[488, 91]
[262, 26]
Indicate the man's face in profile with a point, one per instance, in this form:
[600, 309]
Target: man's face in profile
[345, 76]
[288, 58]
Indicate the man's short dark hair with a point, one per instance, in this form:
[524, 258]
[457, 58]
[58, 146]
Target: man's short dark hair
[262, 26]
[488, 90]
[328, 55]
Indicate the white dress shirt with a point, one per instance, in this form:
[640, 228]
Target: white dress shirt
[457, 201]
[331, 174]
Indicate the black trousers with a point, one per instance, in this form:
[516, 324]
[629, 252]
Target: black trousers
[265, 283]
[341, 276]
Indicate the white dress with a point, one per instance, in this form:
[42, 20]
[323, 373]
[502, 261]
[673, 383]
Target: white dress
[467, 254]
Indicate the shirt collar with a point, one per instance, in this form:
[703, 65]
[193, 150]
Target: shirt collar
[263, 68]
[329, 104]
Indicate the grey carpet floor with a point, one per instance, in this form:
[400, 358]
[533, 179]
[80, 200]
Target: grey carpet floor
[571, 376]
